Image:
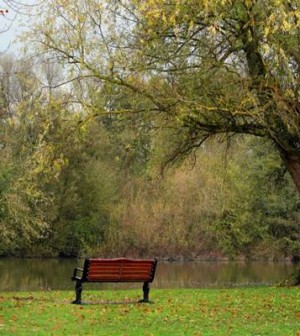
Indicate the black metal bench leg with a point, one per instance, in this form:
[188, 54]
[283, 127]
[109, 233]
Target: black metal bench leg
[78, 290]
[146, 290]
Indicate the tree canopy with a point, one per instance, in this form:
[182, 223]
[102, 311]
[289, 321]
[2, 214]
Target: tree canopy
[213, 68]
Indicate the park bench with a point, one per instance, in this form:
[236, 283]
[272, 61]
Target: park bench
[115, 270]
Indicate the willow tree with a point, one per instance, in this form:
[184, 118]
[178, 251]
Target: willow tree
[213, 68]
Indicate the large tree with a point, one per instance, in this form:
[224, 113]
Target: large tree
[212, 68]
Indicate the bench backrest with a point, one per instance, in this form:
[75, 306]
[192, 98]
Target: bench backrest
[119, 270]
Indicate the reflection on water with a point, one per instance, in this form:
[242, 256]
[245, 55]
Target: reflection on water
[55, 274]
[221, 274]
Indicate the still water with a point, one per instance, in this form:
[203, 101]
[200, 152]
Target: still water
[55, 274]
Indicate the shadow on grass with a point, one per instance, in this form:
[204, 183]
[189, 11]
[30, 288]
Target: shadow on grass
[102, 302]
[83, 303]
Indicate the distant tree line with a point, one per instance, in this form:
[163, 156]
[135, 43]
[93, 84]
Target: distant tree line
[76, 184]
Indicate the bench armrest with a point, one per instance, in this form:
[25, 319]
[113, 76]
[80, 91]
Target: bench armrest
[77, 274]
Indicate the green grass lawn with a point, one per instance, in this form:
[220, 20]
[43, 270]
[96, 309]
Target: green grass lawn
[246, 311]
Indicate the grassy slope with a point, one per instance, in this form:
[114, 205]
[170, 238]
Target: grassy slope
[248, 311]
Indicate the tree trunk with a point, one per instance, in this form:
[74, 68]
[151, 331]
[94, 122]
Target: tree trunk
[292, 163]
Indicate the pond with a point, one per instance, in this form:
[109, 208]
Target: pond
[55, 274]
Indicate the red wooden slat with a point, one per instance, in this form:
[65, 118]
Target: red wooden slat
[118, 273]
[113, 269]
[121, 260]
[119, 265]
[104, 264]
[121, 275]
[115, 278]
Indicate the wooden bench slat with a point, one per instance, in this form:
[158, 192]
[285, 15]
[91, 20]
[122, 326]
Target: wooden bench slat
[124, 270]
[120, 275]
[116, 269]
[101, 262]
[116, 279]
[120, 265]
[119, 262]
[119, 269]
[116, 276]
